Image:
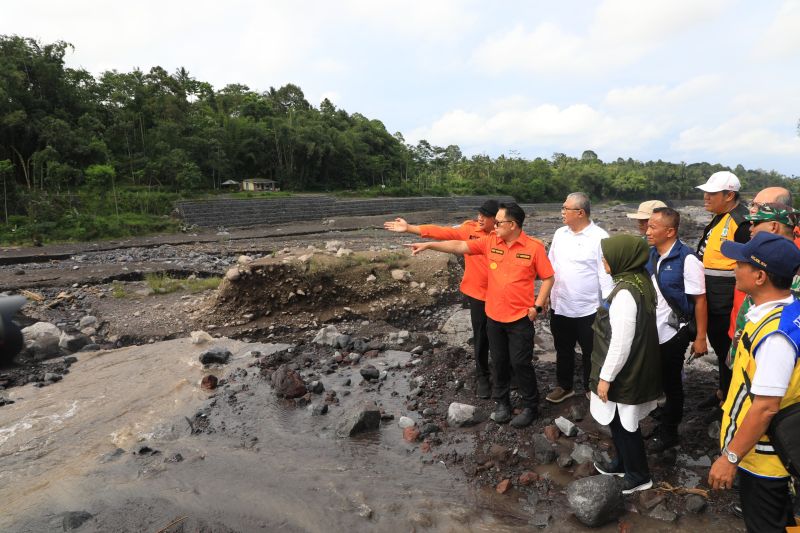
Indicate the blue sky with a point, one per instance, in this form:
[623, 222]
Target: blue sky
[677, 80]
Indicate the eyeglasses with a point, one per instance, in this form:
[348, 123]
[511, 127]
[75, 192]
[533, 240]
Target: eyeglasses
[564, 208]
[501, 222]
[755, 206]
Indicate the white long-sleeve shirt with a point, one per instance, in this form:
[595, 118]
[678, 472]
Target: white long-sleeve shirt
[581, 280]
[622, 315]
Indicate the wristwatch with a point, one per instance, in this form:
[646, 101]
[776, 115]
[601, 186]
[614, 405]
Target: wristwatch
[732, 457]
[538, 309]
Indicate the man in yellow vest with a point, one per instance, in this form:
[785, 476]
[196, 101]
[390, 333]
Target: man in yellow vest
[766, 378]
[721, 197]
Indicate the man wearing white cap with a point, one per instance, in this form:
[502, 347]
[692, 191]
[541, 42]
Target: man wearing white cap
[642, 215]
[721, 197]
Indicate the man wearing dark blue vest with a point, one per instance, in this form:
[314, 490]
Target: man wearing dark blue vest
[681, 314]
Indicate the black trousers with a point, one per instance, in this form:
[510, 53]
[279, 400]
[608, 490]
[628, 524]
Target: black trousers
[718, 338]
[631, 456]
[511, 344]
[566, 332]
[480, 339]
[673, 353]
[766, 503]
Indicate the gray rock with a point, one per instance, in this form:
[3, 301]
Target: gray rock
[342, 341]
[406, 422]
[567, 428]
[87, 321]
[316, 387]
[41, 339]
[577, 413]
[543, 452]
[75, 519]
[327, 336]
[399, 274]
[582, 453]
[364, 418]
[288, 383]
[52, 376]
[320, 409]
[703, 461]
[460, 414]
[215, 355]
[429, 428]
[540, 519]
[565, 461]
[595, 500]
[662, 513]
[695, 503]
[73, 342]
[713, 429]
[370, 373]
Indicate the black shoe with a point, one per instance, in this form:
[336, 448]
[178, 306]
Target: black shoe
[525, 418]
[662, 441]
[502, 413]
[484, 388]
[609, 469]
[629, 486]
[711, 401]
[736, 510]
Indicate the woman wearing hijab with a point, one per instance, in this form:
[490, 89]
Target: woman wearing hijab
[626, 374]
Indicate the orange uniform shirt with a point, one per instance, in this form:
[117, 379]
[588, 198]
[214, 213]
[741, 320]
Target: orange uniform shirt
[476, 267]
[512, 272]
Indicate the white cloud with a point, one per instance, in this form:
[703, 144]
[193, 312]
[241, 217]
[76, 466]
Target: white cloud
[740, 135]
[621, 32]
[660, 96]
[577, 127]
[782, 37]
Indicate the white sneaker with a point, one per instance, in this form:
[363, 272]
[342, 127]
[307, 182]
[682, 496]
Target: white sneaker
[629, 488]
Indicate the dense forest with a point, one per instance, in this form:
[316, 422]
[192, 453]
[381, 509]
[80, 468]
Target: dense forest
[85, 155]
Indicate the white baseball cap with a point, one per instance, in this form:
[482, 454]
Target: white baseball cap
[721, 181]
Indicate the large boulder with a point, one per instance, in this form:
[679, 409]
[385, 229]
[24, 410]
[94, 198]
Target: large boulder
[288, 383]
[364, 418]
[41, 340]
[327, 336]
[460, 414]
[216, 355]
[595, 500]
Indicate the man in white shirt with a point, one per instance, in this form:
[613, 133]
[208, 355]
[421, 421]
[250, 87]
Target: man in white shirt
[580, 283]
[681, 314]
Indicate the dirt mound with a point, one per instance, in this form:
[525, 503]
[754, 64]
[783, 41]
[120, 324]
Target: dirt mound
[325, 286]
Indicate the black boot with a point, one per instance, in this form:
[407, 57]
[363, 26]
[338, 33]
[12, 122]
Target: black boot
[525, 418]
[502, 413]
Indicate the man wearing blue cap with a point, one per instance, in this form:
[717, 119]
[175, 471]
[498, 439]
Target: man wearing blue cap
[765, 379]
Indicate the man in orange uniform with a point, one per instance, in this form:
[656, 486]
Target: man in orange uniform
[474, 282]
[515, 261]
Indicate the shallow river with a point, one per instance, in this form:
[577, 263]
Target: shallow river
[268, 466]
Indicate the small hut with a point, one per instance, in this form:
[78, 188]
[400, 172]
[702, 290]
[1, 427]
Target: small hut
[259, 184]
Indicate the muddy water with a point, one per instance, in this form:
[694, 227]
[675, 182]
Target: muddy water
[267, 466]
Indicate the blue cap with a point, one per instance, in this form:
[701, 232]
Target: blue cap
[766, 251]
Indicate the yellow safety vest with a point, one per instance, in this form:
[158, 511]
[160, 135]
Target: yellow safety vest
[762, 460]
[723, 231]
